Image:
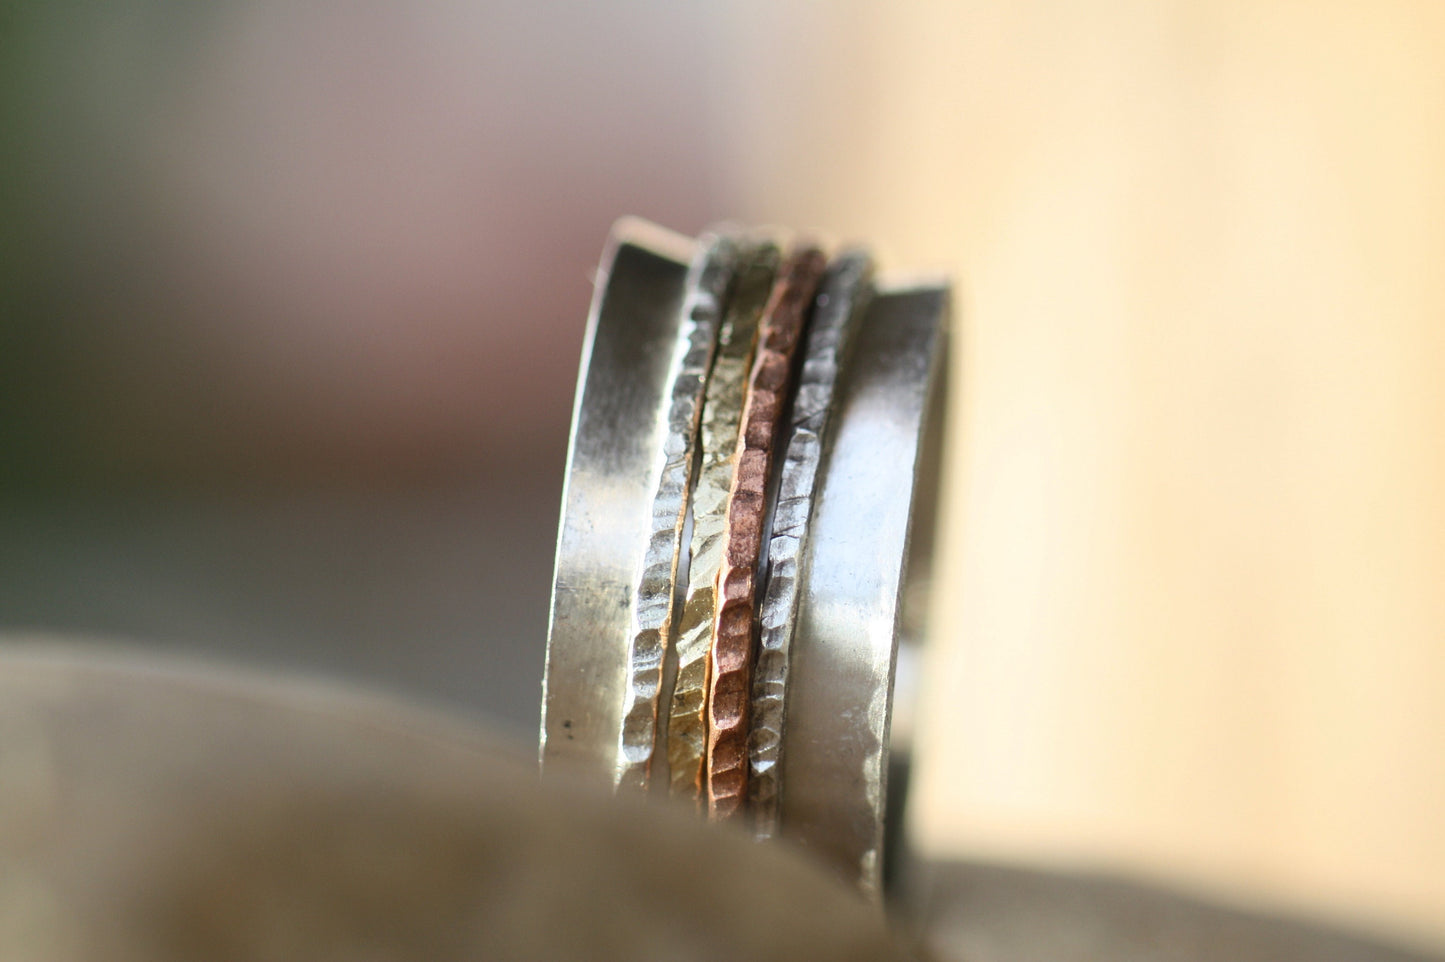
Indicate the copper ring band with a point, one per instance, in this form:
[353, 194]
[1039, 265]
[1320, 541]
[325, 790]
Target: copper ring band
[768, 392]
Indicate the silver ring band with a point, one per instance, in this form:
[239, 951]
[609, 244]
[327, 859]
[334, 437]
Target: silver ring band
[619, 426]
[869, 534]
[841, 300]
[652, 615]
[850, 541]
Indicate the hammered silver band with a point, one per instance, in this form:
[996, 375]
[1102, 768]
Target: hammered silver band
[840, 301]
[652, 604]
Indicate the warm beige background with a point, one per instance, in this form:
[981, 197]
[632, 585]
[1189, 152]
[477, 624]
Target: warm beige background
[273, 274]
[1193, 621]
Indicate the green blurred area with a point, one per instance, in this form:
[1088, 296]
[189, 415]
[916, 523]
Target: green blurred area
[80, 84]
[258, 244]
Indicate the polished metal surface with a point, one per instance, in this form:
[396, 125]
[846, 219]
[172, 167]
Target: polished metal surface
[835, 747]
[708, 281]
[769, 389]
[721, 419]
[863, 458]
[619, 424]
[840, 300]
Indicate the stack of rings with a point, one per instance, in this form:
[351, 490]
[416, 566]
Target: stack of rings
[746, 527]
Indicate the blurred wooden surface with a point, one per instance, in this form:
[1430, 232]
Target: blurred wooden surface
[151, 810]
[1193, 622]
[154, 809]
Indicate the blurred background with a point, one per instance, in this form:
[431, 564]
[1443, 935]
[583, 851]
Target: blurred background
[292, 295]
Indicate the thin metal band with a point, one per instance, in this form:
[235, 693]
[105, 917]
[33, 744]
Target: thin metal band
[840, 300]
[707, 287]
[768, 392]
[721, 419]
[875, 489]
[619, 422]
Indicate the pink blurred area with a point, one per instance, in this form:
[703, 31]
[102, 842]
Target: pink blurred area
[344, 241]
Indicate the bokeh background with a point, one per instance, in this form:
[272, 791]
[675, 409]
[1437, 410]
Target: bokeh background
[291, 299]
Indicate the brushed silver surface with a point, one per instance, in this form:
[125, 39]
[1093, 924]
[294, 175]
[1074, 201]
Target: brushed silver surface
[840, 301]
[835, 747]
[619, 424]
[708, 280]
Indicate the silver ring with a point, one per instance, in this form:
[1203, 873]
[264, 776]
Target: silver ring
[619, 427]
[850, 543]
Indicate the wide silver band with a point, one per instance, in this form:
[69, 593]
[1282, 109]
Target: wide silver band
[619, 427]
[842, 299]
[860, 552]
[870, 534]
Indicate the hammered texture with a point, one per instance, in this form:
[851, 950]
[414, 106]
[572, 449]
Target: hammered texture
[839, 301]
[721, 419]
[708, 279]
[872, 498]
[768, 389]
[618, 421]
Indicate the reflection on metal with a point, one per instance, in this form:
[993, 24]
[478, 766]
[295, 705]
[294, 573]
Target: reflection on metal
[802, 743]
[835, 750]
[618, 427]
